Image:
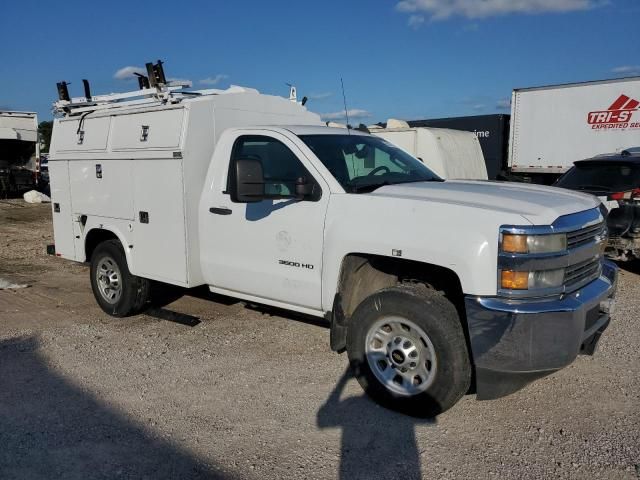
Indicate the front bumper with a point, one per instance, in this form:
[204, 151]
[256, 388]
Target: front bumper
[514, 342]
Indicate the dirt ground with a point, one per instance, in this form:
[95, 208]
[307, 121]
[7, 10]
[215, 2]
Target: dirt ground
[210, 388]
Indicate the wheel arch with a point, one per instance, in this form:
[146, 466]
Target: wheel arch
[362, 274]
[95, 236]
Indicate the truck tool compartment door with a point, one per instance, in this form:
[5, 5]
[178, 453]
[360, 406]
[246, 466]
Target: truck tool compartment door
[62, 211]
[273, 248]
[158, 130]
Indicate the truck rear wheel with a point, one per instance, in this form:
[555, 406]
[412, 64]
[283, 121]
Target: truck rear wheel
[117, 291]
[407, 349]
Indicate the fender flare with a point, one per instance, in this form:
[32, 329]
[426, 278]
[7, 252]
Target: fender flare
[106, 227]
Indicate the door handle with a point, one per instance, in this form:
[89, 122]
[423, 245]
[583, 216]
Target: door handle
[220, 211]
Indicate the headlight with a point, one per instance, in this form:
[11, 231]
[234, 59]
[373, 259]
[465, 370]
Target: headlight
[537, 280]
[519, 243]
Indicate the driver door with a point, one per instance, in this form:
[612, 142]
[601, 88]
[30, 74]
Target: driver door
[270, 249]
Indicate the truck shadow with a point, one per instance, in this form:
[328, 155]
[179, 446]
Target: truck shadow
[631, 266]
[259, 210]
[167, 294]
[375, 442]
[50, 428]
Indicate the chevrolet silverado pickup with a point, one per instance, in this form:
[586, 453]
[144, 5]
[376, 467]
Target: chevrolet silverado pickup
[433, 288]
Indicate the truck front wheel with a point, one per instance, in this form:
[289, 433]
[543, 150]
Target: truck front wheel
[117, 291]
[407, 349]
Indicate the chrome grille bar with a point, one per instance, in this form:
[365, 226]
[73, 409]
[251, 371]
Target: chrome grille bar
[583, 236]
[577, 273]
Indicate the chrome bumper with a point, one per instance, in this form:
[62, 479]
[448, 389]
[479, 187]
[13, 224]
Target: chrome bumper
[514, 342]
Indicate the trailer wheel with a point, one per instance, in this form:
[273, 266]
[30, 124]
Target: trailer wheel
[117, 291]
[407, 350]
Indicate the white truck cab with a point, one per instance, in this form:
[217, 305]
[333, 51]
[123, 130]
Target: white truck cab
[434, 288]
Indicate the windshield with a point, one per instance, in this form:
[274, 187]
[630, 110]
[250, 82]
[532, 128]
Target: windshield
[363, 163]
[598, 177]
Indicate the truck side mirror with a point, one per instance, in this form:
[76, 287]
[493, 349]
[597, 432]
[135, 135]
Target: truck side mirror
[249, 180]
[304, 188]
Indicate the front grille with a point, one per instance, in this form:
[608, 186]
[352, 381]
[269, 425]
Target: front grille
[581, 262]
[584, 235]
[582, 273]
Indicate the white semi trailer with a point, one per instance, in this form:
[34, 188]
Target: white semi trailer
[554, 126]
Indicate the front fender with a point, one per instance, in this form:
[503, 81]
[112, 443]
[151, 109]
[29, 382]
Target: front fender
[463, 240]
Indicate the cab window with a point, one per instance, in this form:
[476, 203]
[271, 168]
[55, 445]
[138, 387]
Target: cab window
[281, 167]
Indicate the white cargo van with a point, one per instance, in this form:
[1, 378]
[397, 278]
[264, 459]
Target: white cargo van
[427, 284]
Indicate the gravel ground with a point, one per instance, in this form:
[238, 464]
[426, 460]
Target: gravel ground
[248, 394]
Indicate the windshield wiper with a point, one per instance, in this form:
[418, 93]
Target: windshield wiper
[369, 187]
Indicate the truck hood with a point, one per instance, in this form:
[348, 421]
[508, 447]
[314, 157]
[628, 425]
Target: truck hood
[537, 204]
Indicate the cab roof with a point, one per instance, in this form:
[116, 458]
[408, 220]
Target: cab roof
[322, 130]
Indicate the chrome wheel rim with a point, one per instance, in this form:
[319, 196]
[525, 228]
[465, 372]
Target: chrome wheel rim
[401, 355]
[108, 279]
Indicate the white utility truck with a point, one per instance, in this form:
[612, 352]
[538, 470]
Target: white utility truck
[434, 288]
[554, 126]
[451, 154]
[19, 151]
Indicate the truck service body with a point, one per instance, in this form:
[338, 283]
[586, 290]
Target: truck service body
[452, 154]
[19, 151]
[492, 131]
[254, 197]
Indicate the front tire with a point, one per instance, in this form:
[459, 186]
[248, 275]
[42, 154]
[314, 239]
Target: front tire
[407, 350]
[117, 291]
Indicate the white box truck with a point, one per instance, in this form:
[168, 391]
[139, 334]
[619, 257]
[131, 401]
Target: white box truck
[433, 288]
[554, 126]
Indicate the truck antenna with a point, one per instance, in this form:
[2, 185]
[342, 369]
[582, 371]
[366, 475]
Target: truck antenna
[344, 99]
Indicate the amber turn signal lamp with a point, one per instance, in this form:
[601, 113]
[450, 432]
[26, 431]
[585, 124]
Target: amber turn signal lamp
[514, 280]
[514, 243]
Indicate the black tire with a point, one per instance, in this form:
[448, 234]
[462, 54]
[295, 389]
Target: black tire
[439, 320]
[134, 291]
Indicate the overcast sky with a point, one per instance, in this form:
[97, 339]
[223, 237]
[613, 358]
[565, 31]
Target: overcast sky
[409, 59]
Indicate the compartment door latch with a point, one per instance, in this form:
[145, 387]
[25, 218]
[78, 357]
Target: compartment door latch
[144, 133]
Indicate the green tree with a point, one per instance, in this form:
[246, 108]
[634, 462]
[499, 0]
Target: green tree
[44, 129]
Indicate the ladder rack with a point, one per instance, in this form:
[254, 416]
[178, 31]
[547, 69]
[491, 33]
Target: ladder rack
[172, 93]
[78, 105]
[154, 90]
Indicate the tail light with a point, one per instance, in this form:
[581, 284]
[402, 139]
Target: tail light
[628, 195]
